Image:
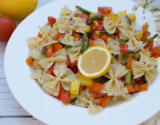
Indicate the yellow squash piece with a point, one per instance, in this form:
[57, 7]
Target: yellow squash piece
[95, 62]
[75, 86]
[120, 13]
[17, 9]
[114, 17]
[139, 35]
[146, 52]
[93, 14]
[83, 80]
[154, 59]
[97, 32]
[87, 28]
[132, 17]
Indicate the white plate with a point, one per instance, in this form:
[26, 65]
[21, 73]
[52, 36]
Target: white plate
[51, 111]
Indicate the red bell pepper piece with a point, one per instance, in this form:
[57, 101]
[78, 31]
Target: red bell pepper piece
[95, 36]
[83, 15]
[105, 10]
[124, 48]
[51, 20]
[65, 97]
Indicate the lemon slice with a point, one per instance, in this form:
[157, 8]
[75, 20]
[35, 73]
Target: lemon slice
[95, 62]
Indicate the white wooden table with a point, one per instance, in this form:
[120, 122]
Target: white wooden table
[11, 113]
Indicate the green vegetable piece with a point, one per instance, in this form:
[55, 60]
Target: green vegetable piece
[128, 20]
[44, 49]
[96, 17]
[150, 39]
[133, 82]
[101, 33]
[73, 101]
[123, 41]
[144, 17]
[100, 80]
[128, 77]
[83, 10]
[85, 43]
[131, 55]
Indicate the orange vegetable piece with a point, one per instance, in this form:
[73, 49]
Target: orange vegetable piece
[80, 89]
[129, 63]
[57, 47]
[89, 89]
[98, 95]
[91, 43]
[39, 34]
[65, 97]
[130, 88]
[96, 87]
[105, 100]
[68, 63]
[138, 79]
[76, 35]
[155, 52]
[145, 26]
[58, 35]
[29, 61]
[136, 87]
[50, 50]
[60, 90]
[145, 36]
[144, 87]
[149, 45]
[104, 37]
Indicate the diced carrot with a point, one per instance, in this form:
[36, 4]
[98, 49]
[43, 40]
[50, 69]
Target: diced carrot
[130, 88]
[58, 35]
[91, 43]
[98, 27]
[155, 66]
[65, 97]
[96, 87]
[50, 50]
[144, 87]
[104, 37]
[145, 26]
[78, 14]
[29, 61]
[57, 47]
[129, 63]
[89, 89]
[138, 79]
[155, 52]
[145, 36]
[137, 87]
[105, 100]
[98, 95]
[149, 45]
[39, 34]
[80, 89]
[76, 35]
[68, 63]
[124, 48]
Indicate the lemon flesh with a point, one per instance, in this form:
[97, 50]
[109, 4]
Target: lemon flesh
[95, 62]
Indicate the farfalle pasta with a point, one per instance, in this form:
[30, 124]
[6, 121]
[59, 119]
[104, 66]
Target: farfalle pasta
[55, 52]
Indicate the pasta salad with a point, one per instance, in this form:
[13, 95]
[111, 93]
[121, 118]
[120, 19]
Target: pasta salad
[56, 51]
